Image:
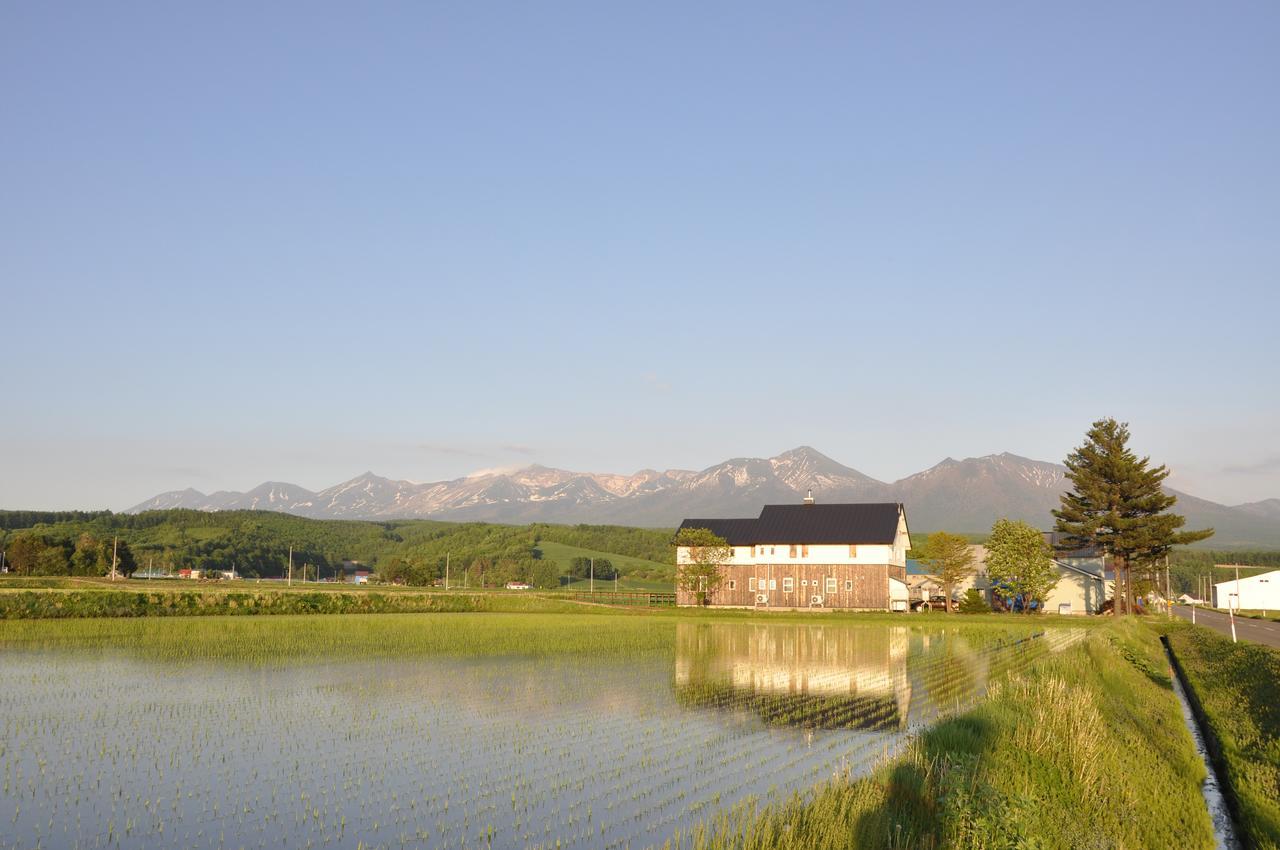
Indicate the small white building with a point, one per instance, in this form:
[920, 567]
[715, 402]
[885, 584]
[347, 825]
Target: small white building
[1260, 592]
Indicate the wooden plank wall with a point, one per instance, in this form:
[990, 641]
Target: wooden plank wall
[868, 590]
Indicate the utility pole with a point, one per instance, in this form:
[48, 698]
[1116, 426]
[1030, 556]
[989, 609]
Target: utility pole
[593, 575]
[446, 570]
[115, 547]
[1232, 606]
[1168, 592]
[290, 566]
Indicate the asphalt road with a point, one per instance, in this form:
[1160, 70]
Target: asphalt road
[1258, 631]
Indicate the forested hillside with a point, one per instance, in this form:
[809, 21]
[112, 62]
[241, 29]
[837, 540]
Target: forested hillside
[257, 543]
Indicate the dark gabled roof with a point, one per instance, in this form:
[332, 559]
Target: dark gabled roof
[736, 532]
[867, 523]
[872, 522]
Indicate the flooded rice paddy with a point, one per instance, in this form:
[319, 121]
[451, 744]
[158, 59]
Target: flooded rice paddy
[115, 748]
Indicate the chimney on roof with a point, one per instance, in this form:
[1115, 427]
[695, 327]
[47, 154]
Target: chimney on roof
[808, 499]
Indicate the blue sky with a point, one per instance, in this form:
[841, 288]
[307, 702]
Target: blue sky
[296, 241]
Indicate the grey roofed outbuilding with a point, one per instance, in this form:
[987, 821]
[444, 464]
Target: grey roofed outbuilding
[859, 523]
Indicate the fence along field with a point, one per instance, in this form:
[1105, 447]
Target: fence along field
[120, 734]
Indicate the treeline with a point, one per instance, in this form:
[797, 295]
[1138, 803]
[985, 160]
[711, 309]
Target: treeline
[257, 544]
[1190, 569]
[36, 554]
[27, 519]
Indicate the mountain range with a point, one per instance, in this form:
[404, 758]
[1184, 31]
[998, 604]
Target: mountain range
[959, 495]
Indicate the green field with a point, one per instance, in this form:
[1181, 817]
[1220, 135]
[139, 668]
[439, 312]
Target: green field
[1237, 686]
[656, 576]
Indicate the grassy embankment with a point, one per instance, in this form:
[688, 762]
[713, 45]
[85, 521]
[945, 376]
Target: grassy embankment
[1236, 688]
[1257, 614]
[1086, 748]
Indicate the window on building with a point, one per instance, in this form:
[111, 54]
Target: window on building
[702, 584]
[788, 584]
[773, 584]
[751, 584]
[853, 551]
[831, 584]
[793, 550]
[848, 584]
[771, 550]
[733, 585]
[804, 550]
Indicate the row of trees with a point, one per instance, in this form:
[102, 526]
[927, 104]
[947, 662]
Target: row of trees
[1019, 564]
[34, 554]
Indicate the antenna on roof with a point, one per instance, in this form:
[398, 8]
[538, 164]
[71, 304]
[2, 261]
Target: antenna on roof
[808, 499]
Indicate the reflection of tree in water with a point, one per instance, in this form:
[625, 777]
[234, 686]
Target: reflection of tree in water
[807, 676]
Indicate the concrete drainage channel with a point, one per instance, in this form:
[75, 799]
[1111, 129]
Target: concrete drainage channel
[1224, 826]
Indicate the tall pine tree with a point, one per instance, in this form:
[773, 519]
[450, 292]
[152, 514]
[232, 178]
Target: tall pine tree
[1118, 505]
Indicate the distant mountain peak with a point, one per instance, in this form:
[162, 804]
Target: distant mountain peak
[957, 495]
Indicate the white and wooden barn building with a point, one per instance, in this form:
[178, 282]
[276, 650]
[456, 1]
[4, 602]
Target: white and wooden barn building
[839, 556]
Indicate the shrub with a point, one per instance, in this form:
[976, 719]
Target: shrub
[973, 603]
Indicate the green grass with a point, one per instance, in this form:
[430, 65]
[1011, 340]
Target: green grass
[1085, 748]
[624, 583]
[1258, 614]
[199, 601]
[563, 554]
[1237, 686]
[293, 638]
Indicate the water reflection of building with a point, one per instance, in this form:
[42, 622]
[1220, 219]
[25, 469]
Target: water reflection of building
[812, 676]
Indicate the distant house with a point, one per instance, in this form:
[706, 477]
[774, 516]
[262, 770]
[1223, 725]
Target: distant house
[1084, 582]
[838, 556]
[518, 585]
[924, 585]
[360, 576]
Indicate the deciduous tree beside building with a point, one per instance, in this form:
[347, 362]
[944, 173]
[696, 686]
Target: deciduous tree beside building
[1020, 563]
[700, 574]
[949, 557]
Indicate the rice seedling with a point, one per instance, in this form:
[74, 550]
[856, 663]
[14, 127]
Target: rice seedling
[457, 730]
